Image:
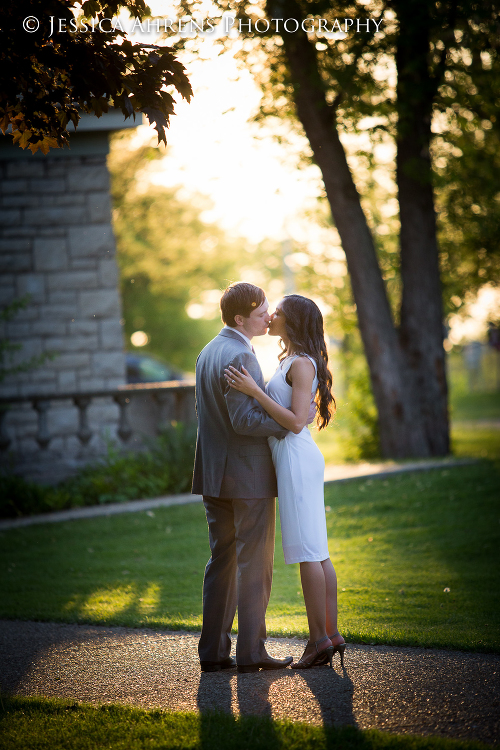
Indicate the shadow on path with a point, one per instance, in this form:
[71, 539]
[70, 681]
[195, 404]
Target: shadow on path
[398, 690]
[334, 694]
[217, 707]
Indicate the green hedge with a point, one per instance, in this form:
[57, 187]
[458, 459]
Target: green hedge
[165, 467]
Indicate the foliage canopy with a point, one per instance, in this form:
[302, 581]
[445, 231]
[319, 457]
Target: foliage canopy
[426, 71]
[358, 76]
[48, 79]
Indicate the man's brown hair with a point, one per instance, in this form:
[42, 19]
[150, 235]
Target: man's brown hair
[240, 298]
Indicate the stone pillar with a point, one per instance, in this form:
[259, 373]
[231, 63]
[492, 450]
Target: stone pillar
[57, 246]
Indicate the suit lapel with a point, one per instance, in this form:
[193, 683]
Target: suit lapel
[225, 333]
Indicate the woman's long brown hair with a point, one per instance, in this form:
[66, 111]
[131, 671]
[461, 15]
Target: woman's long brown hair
[305, 331]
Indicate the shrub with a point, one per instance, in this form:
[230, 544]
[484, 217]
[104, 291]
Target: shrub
[165, 467]
[21, 498]
[357, 416]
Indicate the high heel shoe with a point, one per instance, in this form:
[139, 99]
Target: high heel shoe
[340, 647]
[315, 658]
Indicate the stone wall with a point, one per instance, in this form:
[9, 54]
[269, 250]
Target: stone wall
[57, 246]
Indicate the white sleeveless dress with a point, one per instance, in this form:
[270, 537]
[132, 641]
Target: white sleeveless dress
[300, 470]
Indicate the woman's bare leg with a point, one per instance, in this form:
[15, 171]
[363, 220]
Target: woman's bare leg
[331, 600]
[314, 588]
[319, 585]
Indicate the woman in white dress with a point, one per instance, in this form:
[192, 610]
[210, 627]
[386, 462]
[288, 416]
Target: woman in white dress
[302, 375]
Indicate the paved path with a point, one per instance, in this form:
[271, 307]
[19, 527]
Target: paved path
[333, 473]
[345, 472]
[399, 690]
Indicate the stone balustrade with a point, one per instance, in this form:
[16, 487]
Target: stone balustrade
[133, 412]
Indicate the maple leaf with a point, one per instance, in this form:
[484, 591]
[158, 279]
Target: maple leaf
[51, 77]
[161, 122]
[4, 123]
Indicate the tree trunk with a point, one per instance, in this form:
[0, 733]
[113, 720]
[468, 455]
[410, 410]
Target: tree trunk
[407, 372]
[401, 425]
[421, 330]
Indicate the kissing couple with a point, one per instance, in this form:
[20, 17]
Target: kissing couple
[253, 444]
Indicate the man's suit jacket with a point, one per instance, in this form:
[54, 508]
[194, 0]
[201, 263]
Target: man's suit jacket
[233, 459]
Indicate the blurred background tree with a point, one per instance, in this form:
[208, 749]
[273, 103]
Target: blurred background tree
[174, 265]
[367, 105]
[466, 162]
[424, 81]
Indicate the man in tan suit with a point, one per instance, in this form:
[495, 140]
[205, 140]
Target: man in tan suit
[235, 474]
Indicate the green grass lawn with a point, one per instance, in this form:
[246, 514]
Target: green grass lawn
[475, 440]
[469, 438]
[41, 724]
[398, 545]
[475, 405]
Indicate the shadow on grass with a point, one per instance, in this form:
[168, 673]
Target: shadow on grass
[58, 724]
[216, 704]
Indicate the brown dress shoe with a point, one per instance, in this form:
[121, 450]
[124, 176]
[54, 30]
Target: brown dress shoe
[267, 663]
[216, 666]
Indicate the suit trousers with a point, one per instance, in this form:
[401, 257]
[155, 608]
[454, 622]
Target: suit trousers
[238, 574]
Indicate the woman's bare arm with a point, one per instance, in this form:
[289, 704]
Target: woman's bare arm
[294, 419]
